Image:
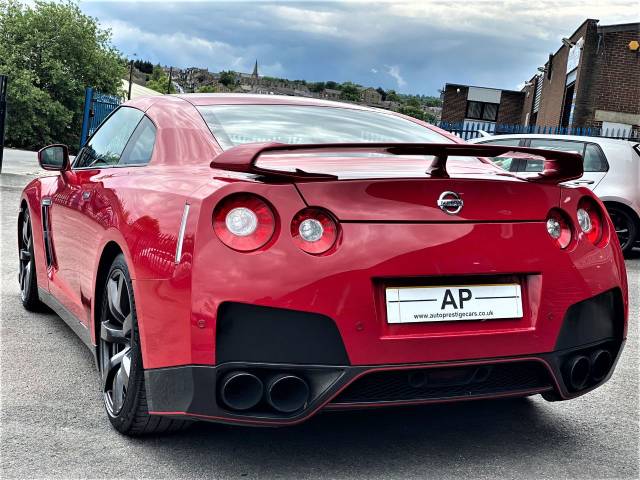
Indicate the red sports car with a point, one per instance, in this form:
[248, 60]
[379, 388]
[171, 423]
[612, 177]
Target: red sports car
[257, 259]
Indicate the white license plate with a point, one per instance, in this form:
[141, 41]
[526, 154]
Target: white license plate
[453, 302]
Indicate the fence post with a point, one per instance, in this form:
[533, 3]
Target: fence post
[3, 113]
[86, 115]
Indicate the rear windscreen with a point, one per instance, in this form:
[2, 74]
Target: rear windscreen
[294, 124]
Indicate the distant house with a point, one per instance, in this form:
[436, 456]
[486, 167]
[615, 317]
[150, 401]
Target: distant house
[330, 94]
[370, 96]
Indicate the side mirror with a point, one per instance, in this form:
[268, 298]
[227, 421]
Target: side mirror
[54, 157]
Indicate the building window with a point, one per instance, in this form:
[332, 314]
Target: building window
[482, 111]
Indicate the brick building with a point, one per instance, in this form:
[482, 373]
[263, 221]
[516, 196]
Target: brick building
[592, 80]
[465, 103]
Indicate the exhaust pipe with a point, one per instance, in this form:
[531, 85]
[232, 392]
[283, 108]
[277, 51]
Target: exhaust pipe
[601, 361]
[577, 371]
[241, 390]
[287, 393]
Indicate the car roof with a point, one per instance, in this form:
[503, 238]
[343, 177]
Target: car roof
[582, 138]
[203, 99]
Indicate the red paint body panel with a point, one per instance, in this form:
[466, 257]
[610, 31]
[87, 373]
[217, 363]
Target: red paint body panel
[392, 233]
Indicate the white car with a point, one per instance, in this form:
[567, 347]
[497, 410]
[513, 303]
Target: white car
[611, 170]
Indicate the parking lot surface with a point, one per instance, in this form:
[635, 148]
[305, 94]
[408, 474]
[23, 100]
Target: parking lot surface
[53, 424]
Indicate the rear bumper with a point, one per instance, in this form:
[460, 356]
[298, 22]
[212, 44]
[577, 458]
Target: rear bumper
[348, 287]
[191, 391]
[194, 390]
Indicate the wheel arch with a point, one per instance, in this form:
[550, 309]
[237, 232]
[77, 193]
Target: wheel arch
[24, 205]
[109, 253]
[625, 207]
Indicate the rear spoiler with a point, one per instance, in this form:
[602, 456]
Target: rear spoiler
[558, 166]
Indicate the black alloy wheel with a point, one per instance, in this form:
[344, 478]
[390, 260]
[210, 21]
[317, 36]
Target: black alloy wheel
[115, 342]
[120, 359]
[27, 266]
[625, 226]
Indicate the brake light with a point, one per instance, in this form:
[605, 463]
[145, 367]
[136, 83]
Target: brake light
[244, 222]
[559, 228]
[314, 230]
[591, 221]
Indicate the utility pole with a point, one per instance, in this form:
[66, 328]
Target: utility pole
[130, 79]
[169, 82]
[3, 113]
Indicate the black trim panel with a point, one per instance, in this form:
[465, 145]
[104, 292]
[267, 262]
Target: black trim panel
[252, 333]
[593, 320]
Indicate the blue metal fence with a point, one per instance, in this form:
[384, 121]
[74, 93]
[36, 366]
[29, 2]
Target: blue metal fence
[469, 130]
[97, 107]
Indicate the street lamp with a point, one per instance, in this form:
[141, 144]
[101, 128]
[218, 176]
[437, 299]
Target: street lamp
[130, 76]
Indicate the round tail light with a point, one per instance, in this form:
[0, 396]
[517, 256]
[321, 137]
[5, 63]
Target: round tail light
[244, 222]
[314, 230]
[559, 228]
[591, 221]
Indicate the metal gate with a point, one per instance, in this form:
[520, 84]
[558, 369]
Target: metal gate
[97, 107]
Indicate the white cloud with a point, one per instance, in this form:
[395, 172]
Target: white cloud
[308, 21]
[184, 50]
[374, 70]
[394, 71]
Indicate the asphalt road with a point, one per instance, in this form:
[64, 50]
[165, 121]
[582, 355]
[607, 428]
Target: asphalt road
[53, 424]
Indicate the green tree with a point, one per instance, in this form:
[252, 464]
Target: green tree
[207, 89]
[316, 87]
[433, 102]
[414, 102]
[159, 81]
[392, 96]
[412, 111]
[228, 78]
[350, 92]
[51, 51]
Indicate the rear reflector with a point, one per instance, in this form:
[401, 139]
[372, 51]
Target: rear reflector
[559, 228]
[314, 230]
[591, 221]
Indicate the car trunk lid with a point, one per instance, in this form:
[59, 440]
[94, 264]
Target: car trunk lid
[476, 199]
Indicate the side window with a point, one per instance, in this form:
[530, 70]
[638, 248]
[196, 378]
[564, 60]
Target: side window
[594, 160]
[140, 148]
[106, 145]
[550, 144]
[507, 163]
[503, 162]
[509, 142]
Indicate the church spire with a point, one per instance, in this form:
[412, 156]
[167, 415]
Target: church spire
[255, 70]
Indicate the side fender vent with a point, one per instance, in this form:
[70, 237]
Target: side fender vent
[46, 232]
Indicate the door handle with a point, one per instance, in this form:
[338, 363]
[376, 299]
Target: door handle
[86, 194]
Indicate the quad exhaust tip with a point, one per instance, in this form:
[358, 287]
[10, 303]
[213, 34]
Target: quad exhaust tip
[241, 390]
[601, 361]
[287, 393]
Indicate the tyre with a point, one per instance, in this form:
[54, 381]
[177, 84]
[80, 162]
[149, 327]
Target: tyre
[27, 268]
[120, 360]
[625, 226]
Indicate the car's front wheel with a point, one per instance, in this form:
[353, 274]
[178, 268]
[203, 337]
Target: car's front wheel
[120, 359]
[625, 226]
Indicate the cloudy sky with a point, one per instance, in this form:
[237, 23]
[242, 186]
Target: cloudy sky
[413, 47]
